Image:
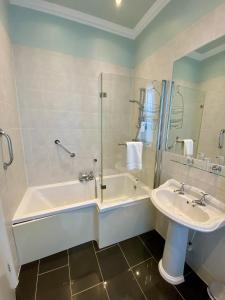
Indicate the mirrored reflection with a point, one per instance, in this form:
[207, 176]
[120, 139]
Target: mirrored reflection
[196, 126]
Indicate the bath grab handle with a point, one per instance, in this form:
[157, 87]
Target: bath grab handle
[57, 142]
[10, 149]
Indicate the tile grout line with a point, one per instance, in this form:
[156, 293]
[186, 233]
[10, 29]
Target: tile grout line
[189, 273]
[141, 262]
[149, 251]
[132, 271]
[179, 292]
[69, 274]
[184, 280]
[89, 288]
[100, 271]
[52, 270]
[35, 295]
[143, 243]
[108, 247]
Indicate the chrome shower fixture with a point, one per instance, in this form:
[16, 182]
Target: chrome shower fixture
[141, 106]
[154, 88]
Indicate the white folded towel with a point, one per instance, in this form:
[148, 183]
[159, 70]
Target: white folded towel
[134, 155]
[188, 147]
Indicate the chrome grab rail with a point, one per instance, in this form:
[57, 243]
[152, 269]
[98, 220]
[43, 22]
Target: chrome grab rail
[10, 149]
[57, 142]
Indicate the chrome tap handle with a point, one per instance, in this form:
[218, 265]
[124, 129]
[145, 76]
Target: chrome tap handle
[181, 189]
[204, 194]
[201, 201]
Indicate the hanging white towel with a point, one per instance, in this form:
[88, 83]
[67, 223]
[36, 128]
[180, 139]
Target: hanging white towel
[134, 155]
[188, 147]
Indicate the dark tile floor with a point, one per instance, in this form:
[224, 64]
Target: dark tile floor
[127, 271]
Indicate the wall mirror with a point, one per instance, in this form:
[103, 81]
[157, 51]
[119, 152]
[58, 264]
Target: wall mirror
[196, 126]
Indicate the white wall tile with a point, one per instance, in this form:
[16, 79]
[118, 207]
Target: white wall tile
[13, 180]
[59, 100]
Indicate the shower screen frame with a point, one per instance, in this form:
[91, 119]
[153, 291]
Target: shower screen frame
[160, 133]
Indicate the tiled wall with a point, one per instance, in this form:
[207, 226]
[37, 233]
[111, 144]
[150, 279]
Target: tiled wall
[58, 99]
[13, 180]
[207, 256]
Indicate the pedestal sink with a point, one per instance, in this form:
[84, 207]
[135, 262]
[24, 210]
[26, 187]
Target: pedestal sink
[183, 215]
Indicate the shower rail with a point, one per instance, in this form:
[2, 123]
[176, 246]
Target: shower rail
[72, 154]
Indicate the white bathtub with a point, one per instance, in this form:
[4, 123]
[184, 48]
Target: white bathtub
[55, 217]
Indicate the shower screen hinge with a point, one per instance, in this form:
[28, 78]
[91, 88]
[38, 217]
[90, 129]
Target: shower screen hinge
[103, 187]
[103, 95]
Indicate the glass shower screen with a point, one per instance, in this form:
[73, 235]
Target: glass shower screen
[128, 111]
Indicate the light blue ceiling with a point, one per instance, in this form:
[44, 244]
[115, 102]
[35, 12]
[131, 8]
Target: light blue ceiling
[128, 14]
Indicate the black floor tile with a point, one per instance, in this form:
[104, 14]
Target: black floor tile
[123, 286]
[135, 251]
[100, 249]
[96, 293]
[155, 243]
[112, 262]
[152, 284]
[54, 261]
[87, 282]
[193, 288]
[27, 282]
[84, 270]
[54, 285]
[187, 270]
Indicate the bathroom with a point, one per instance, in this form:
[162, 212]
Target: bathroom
[112, 149]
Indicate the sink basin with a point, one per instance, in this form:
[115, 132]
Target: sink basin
[179, 208]
[183, 215]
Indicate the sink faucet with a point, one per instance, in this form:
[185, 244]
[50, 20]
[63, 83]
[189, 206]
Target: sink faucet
[180, 190]
[201, 201]
[85, 177]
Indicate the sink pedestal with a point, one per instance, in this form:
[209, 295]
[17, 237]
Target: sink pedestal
[171, 266]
